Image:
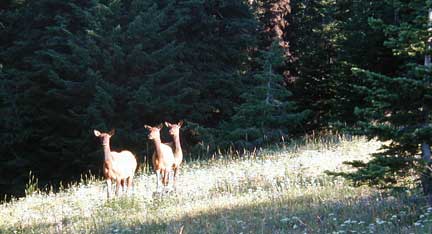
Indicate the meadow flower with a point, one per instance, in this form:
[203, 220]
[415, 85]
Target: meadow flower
[379, 221]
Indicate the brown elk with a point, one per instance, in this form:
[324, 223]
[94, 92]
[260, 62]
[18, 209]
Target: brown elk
[178, 153]
[162, 158]
[118, 166]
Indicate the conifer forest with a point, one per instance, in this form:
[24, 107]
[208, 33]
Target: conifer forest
[242, 75]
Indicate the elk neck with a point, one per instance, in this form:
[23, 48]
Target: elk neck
[106, 149]
[177, 145]
[158, 148]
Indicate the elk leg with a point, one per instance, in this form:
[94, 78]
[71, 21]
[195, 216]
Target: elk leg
[123, 185]
[118, 184]
[108, 181]
[171, 178]
[176, 175]
[129, 185]
[158, 180]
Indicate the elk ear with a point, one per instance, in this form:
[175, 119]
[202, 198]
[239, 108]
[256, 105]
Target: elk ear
[180, 123]
[112, 132]
[160, 126]
[147, 127]
[96, 132]
[167, 124]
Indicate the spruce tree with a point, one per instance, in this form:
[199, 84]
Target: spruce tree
[46, 86]
[398, 105]
[267, 113]
[312, 32]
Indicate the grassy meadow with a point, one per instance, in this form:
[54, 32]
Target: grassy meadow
[279, 190]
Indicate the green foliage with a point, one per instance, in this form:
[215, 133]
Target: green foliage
[260, 192]
[327, 38]
[68, 67]
[396, 106]
[267, 113]
[32, 185]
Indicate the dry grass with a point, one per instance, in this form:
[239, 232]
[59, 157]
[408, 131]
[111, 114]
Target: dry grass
[280, 190]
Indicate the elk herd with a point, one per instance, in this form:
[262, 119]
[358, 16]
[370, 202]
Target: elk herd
[120, 167]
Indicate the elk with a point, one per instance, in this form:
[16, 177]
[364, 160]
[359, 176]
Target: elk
[162, 158]
[118, 166]
[178, 153]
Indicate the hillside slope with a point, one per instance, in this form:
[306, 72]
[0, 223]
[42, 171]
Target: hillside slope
[283, 190]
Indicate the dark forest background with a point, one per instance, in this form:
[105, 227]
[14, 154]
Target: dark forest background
[242, 74]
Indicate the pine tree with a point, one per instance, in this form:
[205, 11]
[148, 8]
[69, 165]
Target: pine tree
[267, 113]
[68, 67]
[192, 64]
[357, 45]
[312, 33]
[398, 106]
[327, 38]
[46, 85]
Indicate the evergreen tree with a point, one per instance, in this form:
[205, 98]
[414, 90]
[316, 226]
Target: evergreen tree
[273, 16]
[360, 45]
[46, 84]
[312, 33]
[327, 38]
[70, 66]
[399, 105]
[192, 66]
[267, 113]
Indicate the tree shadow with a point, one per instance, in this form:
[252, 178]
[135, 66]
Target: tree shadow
[306, 214]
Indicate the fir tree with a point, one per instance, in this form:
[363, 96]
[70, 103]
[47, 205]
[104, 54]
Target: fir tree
[267, 113]
[46, 87]
[399, 105]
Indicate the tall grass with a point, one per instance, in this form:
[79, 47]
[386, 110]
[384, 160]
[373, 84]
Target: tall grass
[282, 189]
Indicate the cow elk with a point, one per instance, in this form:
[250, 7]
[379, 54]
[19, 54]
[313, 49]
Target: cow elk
[174, 130]
[162, 158]
[118, 166]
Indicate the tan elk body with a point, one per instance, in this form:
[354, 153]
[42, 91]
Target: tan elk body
[178, 153]
[162, 158]
[118, 166]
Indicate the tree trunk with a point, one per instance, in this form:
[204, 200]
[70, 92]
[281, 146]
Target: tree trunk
[426, 178]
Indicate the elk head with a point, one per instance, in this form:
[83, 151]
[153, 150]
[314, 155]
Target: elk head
[105, 137]
[174, 128]
[154, 131]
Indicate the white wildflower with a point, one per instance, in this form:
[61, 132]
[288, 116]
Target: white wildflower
[379, 221]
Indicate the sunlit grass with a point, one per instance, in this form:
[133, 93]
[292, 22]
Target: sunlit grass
[282, 189]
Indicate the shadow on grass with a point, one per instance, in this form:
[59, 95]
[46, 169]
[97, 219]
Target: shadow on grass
[306, 215]
[279, 214]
